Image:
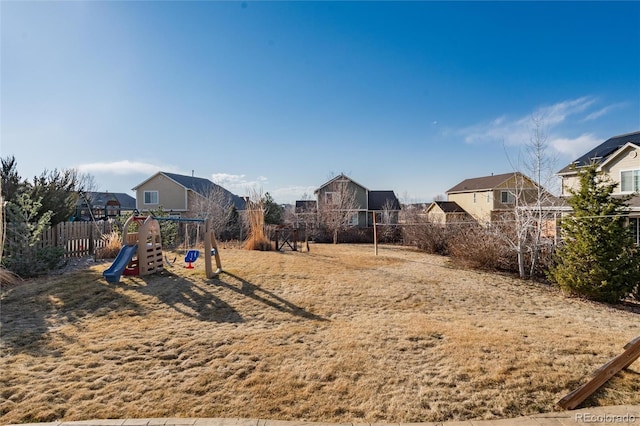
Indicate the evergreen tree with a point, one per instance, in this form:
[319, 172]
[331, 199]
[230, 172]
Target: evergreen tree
[25, 225]
[598, 259]
[273, 212]
[58, 191]
[12, 183]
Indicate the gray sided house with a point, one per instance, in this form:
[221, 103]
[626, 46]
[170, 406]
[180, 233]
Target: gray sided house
[103, 205]
[344, 194]
[179, 195]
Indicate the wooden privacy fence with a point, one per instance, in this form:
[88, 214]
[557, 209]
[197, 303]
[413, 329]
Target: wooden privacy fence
[78, 239]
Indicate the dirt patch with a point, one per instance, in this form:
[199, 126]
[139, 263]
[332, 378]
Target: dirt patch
[334, 335]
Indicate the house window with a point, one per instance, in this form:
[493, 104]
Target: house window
[630, 181]
[488, 197]
[331, 198]
[151, 197]
[506, 197]
[474, 197]
[354, 220]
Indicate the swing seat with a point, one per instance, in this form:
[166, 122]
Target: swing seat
[192, 256]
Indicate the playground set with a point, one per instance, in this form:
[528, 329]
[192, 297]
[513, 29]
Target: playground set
[141, 252]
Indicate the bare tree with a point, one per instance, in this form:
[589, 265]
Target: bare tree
[534, 206]
[214, 204]
[337, 207]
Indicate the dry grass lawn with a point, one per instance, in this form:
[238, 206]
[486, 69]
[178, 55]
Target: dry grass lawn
[334, 334]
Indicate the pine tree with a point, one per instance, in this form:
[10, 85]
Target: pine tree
[598, 259]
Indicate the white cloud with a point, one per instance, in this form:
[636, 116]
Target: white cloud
[603, 111]
[290, 194]
[574, 147]
[124, 167]
[227, 179]
[558, 113]
[238, 184]
[518, 131]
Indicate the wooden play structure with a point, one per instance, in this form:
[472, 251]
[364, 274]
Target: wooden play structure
[604, 373]
[148, 257]
[141, 252]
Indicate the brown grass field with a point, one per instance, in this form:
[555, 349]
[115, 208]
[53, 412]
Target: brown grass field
[334, 335]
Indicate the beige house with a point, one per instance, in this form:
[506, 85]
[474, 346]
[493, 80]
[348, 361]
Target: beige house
[618, 158]
[447, 212]
[489, 198]
[178, 194]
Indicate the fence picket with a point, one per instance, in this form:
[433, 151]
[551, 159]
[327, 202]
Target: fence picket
[78, 239]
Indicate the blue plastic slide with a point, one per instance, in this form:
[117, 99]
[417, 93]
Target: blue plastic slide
[112, 275]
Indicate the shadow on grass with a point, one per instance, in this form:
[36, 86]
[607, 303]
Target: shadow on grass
[189, 298]
[34, 308]
[261, 295]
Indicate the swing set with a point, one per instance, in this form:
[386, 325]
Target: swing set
[141, 252]
[210, 245]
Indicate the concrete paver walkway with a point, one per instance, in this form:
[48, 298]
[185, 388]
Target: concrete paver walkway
[615, 415]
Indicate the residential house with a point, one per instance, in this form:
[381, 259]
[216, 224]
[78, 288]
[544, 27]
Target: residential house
[343, 193]
[179, 195]
[385, 205]
[447, 212]
[618, 158]
[490, 198]
[103, 205]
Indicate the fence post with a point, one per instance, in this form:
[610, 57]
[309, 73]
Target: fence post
[92, 244]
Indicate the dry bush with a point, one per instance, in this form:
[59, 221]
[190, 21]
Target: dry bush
[8, 278]
[478, 247]
[112, 245]
[429, 237]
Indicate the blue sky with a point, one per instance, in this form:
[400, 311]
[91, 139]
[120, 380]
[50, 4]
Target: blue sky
[280, 96]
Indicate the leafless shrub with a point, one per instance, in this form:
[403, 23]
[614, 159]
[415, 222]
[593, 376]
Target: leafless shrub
[479, 247]
[429, 237]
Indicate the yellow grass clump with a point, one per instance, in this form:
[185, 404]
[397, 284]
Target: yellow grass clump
[256, 238]
[335, 335]
[112, 245]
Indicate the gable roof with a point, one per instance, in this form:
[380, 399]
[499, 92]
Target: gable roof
[602, 151]
[340, 176]
[381, 200]
[97, 199]
[447, 207]
[200, 186]
[484, 183]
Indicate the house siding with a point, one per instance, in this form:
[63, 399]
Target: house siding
[360, 198]
[480, 210]
[171, 196]
[569, 183]
[360, 193]
[623, 162]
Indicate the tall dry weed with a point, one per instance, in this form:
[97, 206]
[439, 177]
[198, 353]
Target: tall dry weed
[112, 245]
[256, 239]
